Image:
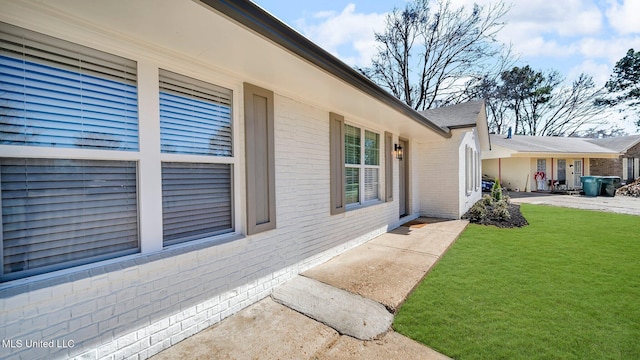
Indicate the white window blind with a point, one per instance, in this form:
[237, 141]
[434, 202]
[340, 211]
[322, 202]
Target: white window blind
[59, 94]
[63, 213]
[196, 201]
[371, 184]
[195, 116]
[362, 165]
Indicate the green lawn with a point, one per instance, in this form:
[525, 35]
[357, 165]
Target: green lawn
[565, 287]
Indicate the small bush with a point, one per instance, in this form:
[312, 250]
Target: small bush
[487, 200]
[501, 212]
[477, 212]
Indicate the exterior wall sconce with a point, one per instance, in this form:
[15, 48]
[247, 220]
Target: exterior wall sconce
[398, 149]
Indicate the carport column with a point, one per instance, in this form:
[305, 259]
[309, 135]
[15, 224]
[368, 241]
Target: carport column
[551, 185]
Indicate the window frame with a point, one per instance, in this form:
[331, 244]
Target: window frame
[173, 157]
[80, 153]
[148, 156]
[362, 167]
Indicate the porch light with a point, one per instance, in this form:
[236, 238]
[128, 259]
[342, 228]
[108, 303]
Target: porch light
[398, 149]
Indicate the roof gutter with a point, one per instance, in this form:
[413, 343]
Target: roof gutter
[256, 19]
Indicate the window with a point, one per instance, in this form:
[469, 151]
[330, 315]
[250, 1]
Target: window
[64, 211]
[468, 168]
[541, 165]
[195, 120]
[59, 94]
[478, 171]
[362, 165]
[195, 116]
[196, 201]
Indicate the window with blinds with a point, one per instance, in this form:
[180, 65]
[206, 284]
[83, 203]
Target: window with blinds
[195, 116]
[196, 201]
[60, 94]
[362, 165]
[62, 213]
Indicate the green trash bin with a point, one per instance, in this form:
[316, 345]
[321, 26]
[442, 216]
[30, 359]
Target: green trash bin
[609, 185]
[591, 185]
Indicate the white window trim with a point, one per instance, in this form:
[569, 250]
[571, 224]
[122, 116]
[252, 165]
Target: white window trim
[361, 202]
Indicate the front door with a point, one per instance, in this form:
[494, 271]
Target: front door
[404, 178]
[577, 173]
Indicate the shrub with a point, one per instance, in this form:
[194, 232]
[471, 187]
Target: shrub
[477, 212]
[501, 211]
[496, 191]
[487, 200]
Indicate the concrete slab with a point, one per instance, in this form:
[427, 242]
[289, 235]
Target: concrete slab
[388, 268]
[618, 204]
[265, 330]
[345, 312]
[391, 346]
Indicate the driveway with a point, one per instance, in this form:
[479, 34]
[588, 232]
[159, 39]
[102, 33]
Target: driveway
[618, 204]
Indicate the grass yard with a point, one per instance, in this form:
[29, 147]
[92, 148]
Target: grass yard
[565, 287]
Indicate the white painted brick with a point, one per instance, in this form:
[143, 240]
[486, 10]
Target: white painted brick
[127, 340]
[107, 349]
[109, 357]
[89, 355]
[158, 326]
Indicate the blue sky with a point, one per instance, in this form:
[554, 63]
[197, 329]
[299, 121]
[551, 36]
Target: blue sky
[571, 36]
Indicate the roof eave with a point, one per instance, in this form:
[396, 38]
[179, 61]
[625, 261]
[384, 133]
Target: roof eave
[256, 19]
[559, 155]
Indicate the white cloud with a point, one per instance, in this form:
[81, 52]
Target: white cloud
[349, 29]
[611, 49]
[623, 17]
[599, 71]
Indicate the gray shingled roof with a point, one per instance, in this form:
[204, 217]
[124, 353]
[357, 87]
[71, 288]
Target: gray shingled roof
[455, 116]
[619, 144]
[549, 144]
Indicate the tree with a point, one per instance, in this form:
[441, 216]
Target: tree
[526, 91]
[624, 83]
[431, 53]
[537, 104]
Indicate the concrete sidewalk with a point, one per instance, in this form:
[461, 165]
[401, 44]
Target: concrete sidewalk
[385, 270]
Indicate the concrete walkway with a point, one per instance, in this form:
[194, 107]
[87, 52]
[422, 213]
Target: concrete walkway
[353, 295]
[618, 204]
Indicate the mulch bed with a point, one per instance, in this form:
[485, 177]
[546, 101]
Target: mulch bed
[516, 219]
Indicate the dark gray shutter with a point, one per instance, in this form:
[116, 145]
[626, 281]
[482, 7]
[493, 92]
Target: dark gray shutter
[62, 213]
[388, 166]
[196, 201]
[260, 159]
[59, 94]
[337, 156]
[195, 116]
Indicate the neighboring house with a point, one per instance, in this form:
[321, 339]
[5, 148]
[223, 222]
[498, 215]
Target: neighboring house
[165, 164]
[627, 166]
[534, 163]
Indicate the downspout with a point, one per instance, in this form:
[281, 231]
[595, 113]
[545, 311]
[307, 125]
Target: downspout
[583, 174]
[500, 170]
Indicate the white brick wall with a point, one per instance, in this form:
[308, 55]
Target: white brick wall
[139, 305]
[442, 176]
